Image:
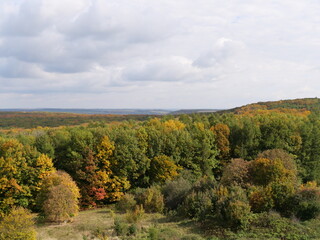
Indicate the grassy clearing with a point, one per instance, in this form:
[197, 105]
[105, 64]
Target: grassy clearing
[99, 224]
[85, 224]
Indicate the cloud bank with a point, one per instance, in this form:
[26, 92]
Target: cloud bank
[157, 54]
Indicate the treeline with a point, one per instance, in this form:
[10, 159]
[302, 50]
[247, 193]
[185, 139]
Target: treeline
[299, 105]
[217, 168]
[50, 119]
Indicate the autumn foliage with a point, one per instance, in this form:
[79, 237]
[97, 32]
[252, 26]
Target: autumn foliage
[17, 224]
[217, 167]
[58, 199]
[22, 169]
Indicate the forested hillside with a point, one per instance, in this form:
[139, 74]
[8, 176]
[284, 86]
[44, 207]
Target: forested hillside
[55, 119]
[299, 105]
[252, 174]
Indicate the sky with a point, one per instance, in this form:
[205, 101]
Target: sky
[157, 54]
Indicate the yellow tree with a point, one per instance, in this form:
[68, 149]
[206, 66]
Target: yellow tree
[108, 186]
[275, 183]
[222, 132]
[21, 171]
[18, 224]
[58, 199]
[162, 168]
[173, 125]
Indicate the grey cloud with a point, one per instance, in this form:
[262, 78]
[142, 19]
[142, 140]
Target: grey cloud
[133, 23]
[25, 20]
[69, 66]
[126, 48]
[38, 86]
[75, 41]
[44, 48]
[20, 69]
[49, 52]
[168, 69]
[223, 49]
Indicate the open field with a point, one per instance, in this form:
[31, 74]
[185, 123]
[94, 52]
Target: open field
[99, 224]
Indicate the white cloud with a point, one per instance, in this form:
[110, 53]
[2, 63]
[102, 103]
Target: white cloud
[140, 53]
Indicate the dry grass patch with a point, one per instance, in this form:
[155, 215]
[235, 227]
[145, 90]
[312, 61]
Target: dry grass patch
[83, 226]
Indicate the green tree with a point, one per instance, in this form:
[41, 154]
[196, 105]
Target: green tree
[245, 138]
[309, 155]
[129, 158]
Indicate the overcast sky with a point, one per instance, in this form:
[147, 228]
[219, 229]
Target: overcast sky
[157, 54]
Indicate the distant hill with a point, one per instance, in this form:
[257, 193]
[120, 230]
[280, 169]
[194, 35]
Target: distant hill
[189, 111]
[93, 111]
[298, 105]
[110, 111]
[54, 119]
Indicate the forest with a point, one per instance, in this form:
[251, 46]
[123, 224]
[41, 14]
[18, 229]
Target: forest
[247, 173]
[11, 120]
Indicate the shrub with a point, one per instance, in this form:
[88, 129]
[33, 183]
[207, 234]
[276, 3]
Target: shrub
[153, 233]
[276, 195]
[156, 233]
[281, 192]
[60, 205]
[236, 173]
[270, 225]
[191, 237]
[120, 227]
[18, 224]
[263, 171]
[133, 229]
[135, 215]
[127, 202]
[100, 234]
[163, 234]
[175, 192]
[260, 199]
[232, 208]
[197, 205]
[305, 204]
[275, 180]
[58, 198]
[204, 183]
[151, 199]
[286, 158]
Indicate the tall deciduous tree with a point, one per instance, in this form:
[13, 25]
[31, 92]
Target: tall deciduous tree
[222, 132]
[21, 170]
[162, 169]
